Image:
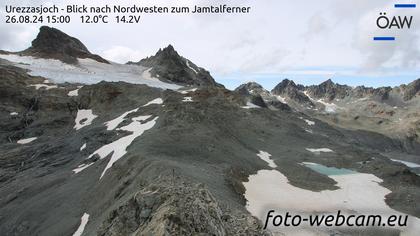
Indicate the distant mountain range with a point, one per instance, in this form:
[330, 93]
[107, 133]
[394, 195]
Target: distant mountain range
[390, 111]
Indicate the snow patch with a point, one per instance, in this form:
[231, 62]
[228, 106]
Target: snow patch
[84, 220]
[250, 105]
[26, 140]
[119, 147]
[83, 147]
[319, 150]
[329, 107]
[140, 118]
[281, 99]
[309, 122]
[309, 131]
[187, 91]
[112, 124]
[157, 101]
[14, 113]
[74, 93]
[265, 156]
[81, 167]
[47, 87]
[84, 118]
[189, 66]
[187, 99]
[407, 163]
[87, 71]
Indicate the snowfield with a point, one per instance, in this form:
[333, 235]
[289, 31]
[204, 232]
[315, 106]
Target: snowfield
[119, 147]
[358, 193]
[88, 71]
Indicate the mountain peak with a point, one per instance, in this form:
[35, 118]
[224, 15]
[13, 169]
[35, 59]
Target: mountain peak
[168, 51]
[253, 84]
[168, 65]
[284, 85]
[55, 44]
[328, 82]
[250, 88]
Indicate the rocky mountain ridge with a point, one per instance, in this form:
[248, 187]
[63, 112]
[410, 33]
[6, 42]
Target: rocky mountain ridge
[391, 111]
[168, 65]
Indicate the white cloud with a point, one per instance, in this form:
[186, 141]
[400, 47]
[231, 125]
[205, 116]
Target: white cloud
[122, 54]
[275, 37]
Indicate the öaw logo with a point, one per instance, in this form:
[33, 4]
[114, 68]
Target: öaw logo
[394, 22]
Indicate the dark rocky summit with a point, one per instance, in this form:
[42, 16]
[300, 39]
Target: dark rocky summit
[289, 89]
[250, 88]
[328, 90]
[168, 65]
[54, 44]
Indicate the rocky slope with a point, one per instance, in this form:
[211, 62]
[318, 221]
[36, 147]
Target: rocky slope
[118, 158]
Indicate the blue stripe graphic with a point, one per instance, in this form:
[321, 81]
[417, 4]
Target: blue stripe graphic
[405, 5]
[384, 38]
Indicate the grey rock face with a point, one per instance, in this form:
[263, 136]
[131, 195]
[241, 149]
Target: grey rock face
[168, 65]
[176, 207]
[329, 90]
[250, 88]
[412, 90]
[363, 92]
[291, 90]
[261, 97]
[52, 43]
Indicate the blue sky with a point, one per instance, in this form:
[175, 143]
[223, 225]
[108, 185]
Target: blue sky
[306, 41]
[270, 81]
